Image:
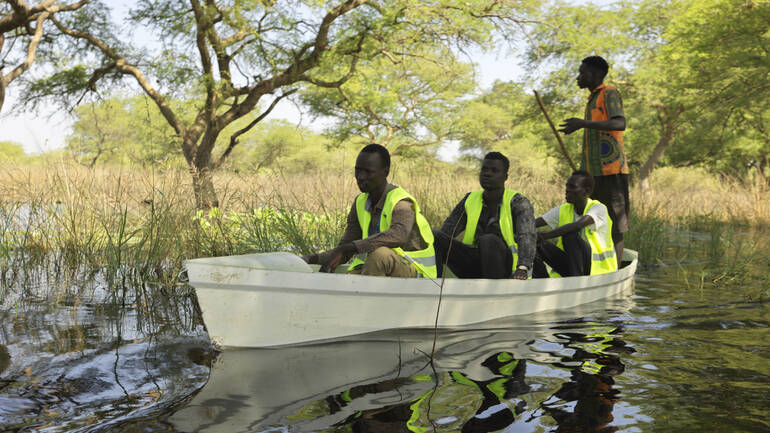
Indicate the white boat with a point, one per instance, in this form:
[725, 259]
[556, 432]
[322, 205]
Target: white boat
[276, 299]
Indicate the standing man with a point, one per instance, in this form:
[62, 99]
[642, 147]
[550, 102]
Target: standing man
[583, 228]
[497, 227]
[603, 153]
[386, 233]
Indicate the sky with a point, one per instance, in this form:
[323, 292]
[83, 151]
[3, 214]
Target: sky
[47, 129]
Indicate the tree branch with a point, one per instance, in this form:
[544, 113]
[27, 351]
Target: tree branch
[294, 72]
[22, 14]
[127, 69]
[346, 77]
[31, 50]
[202, 29]
[234, 137]
[401, 147]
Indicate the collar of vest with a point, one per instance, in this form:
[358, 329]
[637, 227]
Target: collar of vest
[388, 188]
[589, 204]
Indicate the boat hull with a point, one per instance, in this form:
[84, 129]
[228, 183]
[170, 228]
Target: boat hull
[245, 306]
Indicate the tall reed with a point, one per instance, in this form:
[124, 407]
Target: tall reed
[125, 223]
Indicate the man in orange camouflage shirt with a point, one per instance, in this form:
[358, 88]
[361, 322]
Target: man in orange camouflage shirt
[603, 153]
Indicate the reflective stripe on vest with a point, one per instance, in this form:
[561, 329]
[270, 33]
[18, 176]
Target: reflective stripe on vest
[424, 261]
[597, 344]
[473, 205]
[412, 422]
[603, 257]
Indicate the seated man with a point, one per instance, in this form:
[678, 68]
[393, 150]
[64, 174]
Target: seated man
[584, 229]
[497, 226]
[386, 231]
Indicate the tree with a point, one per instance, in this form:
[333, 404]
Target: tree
[10, 151]
[722, 52]
[121, 129]
[402, 100]
[230, 56]
[693, 74]
[23, 25]
[280, 146]
[506, 118]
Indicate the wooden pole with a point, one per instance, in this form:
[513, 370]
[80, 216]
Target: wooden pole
[553, 128]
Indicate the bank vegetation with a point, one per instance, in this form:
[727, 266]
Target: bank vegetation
[60, 220]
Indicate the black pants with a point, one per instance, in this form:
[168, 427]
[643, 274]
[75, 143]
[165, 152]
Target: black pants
[492, 258]
[575, 260]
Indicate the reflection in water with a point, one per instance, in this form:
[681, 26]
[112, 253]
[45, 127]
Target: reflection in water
[535, 372]
[5, 358]
[83, 362]
[454, 401]
[596, 359]
[96, 366]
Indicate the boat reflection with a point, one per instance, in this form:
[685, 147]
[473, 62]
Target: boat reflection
[585, 403]
[517, 370]
[453, 401]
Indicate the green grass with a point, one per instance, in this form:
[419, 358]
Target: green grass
[132, 226]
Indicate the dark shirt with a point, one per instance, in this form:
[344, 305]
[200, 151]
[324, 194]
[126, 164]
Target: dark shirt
[403, 231]
[523, 216]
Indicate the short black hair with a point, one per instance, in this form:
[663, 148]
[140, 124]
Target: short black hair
[586, 178]
[380, 150]
[598, 64]
[500, 157]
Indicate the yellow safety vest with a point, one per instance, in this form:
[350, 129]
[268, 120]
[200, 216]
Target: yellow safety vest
[473, 205]
[597, 344]
[424, 261]
[603, 257]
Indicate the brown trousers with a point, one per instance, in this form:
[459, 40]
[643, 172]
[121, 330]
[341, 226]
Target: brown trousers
[384, 262]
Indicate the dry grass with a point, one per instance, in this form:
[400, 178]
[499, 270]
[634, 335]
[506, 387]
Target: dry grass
[684, 193]
[674, 193]
[127, 220]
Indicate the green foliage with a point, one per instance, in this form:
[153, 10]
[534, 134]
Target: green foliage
[692, 74]
[11, 152]
[230, 56]
[729, 83]
[25, 34]
[131, 130]
[508, 120]
[566, 34]
[281, 146]
[122, 130]
[394, 72]
[407, 98]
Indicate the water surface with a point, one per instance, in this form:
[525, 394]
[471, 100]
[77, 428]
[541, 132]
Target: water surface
[687, 350]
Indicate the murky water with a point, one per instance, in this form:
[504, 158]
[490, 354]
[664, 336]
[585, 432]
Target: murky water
[688, 350]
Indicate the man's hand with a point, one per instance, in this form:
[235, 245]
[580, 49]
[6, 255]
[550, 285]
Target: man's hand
[520, 274]
[311, 259]
[334, 258]
[571, 125]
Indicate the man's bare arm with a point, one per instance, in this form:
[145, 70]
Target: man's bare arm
[572, 124]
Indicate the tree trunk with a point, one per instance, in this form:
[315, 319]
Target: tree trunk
[2, 90]
[199, 161]
[668, 126]
[649, 165]
[203, 187]
[761, 171]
